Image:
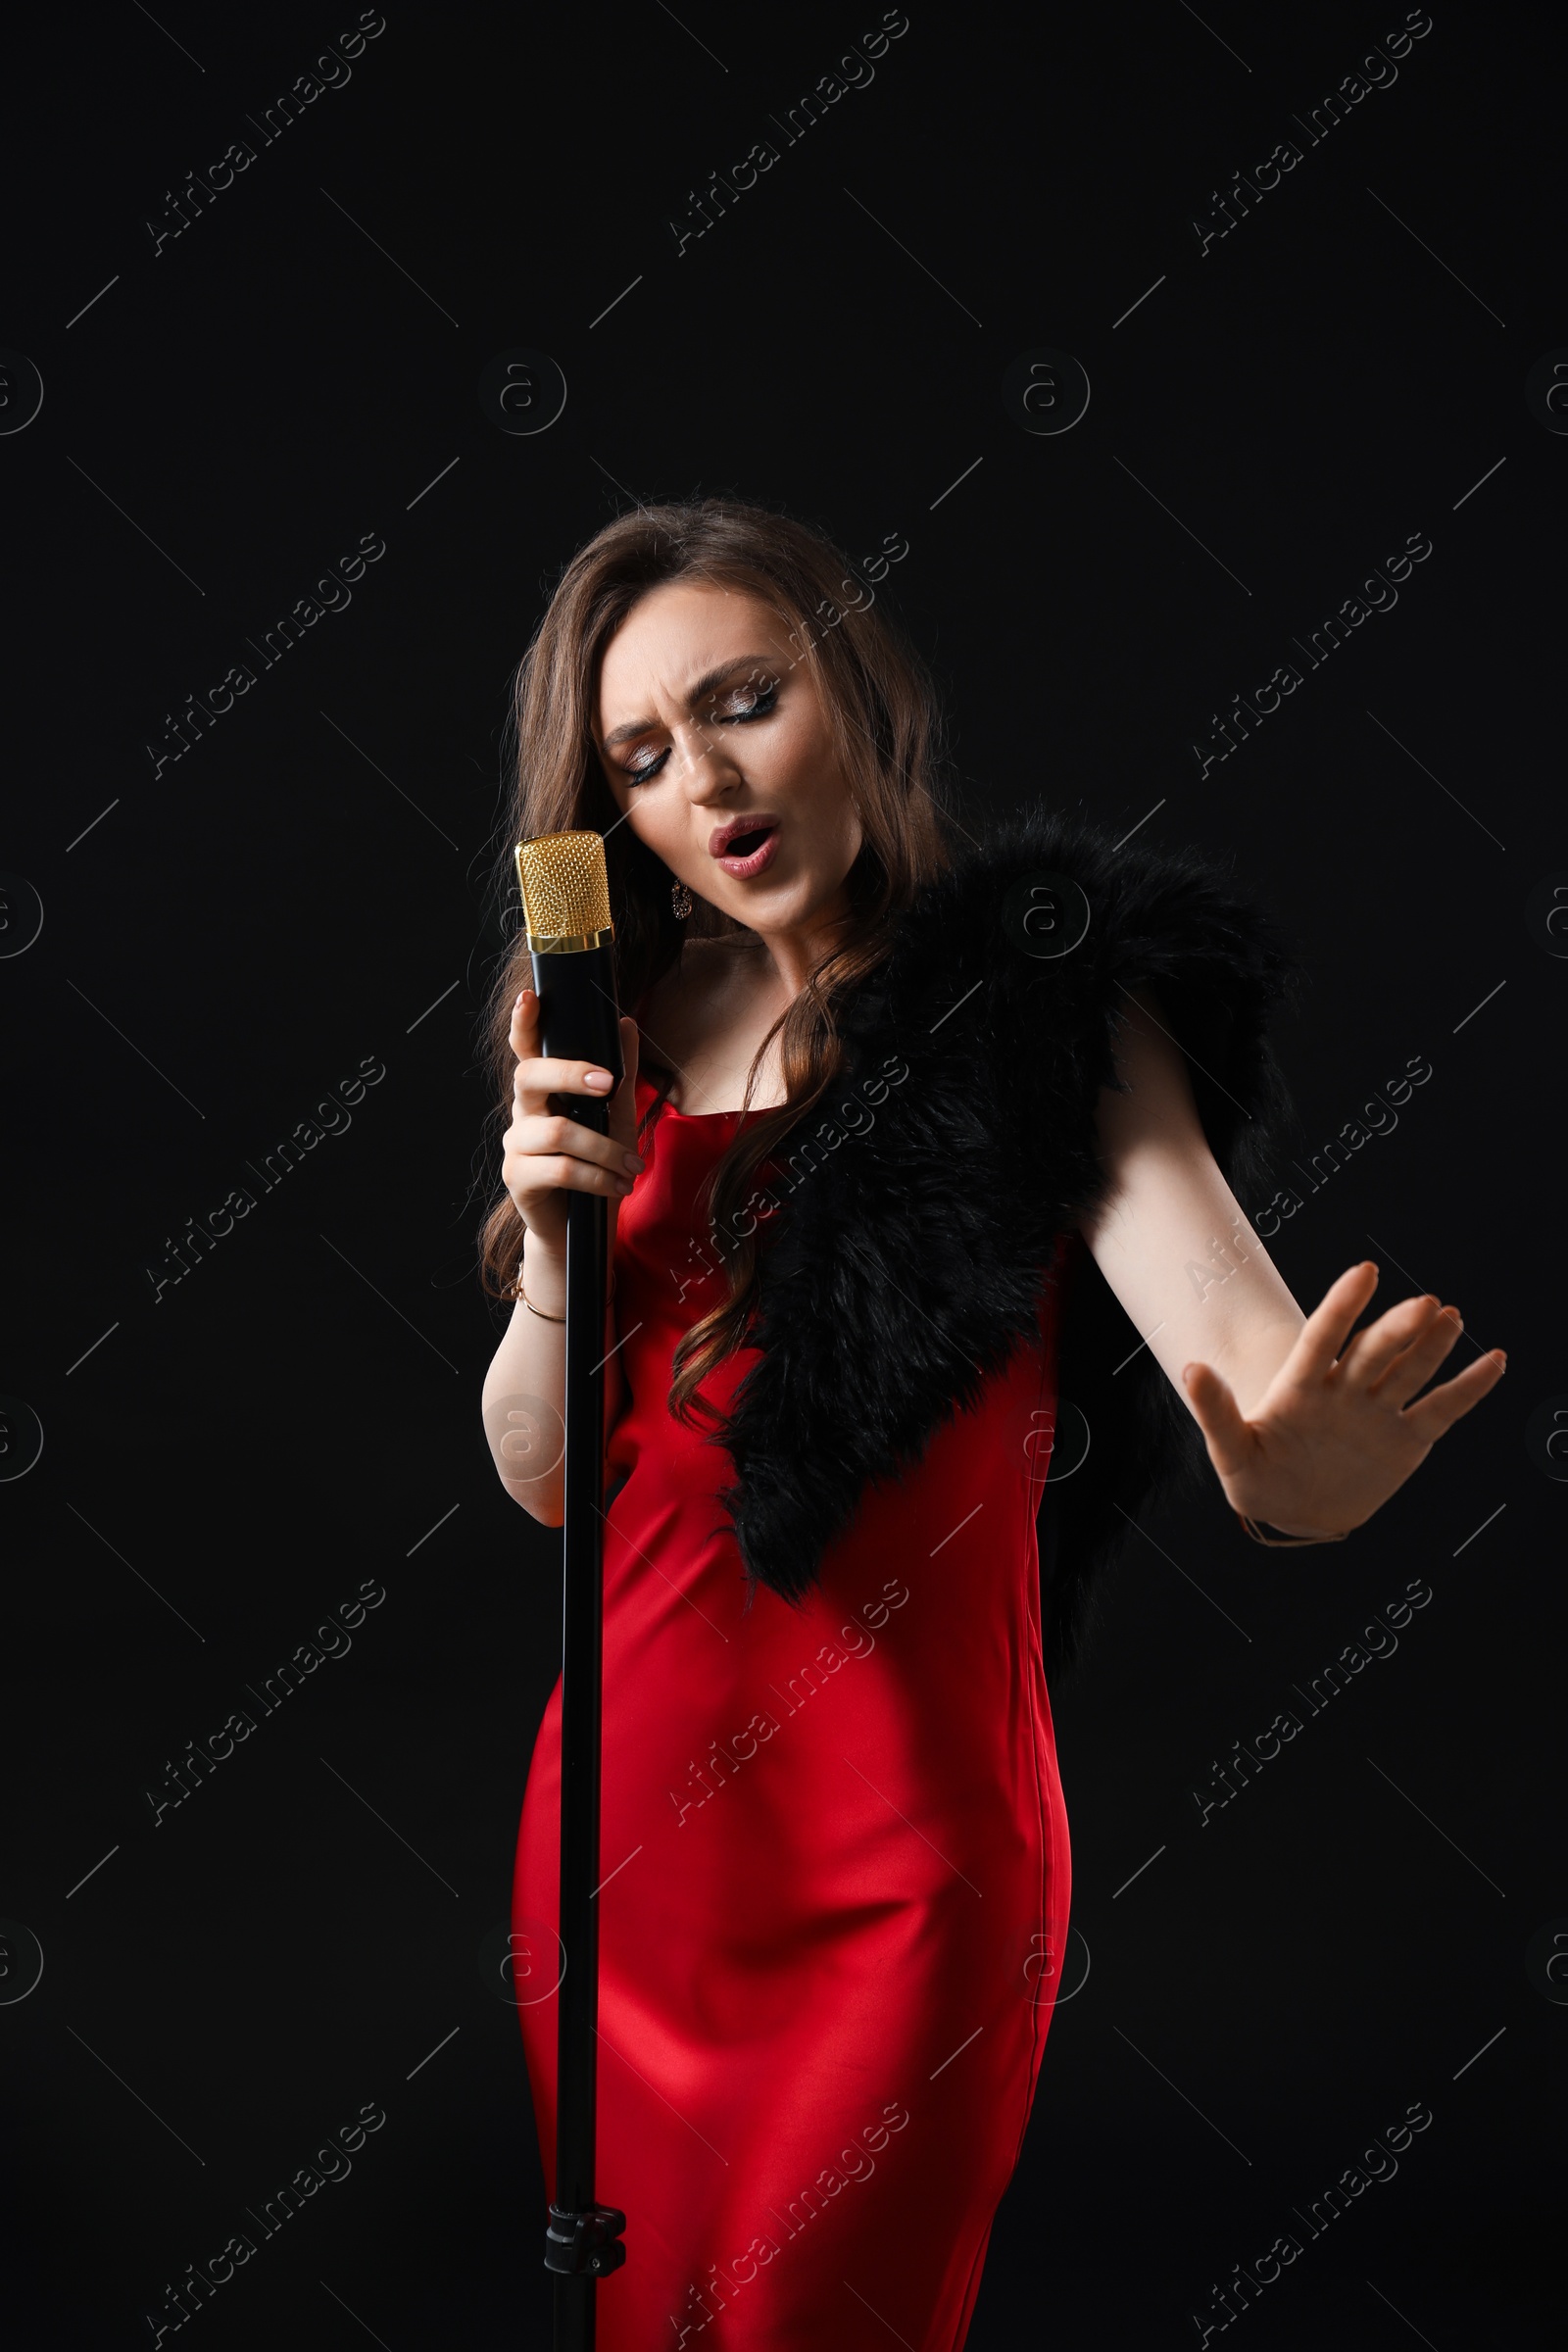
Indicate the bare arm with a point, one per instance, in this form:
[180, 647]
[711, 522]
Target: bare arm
[1171, 1237]
[1308, 1428]
[522, 1401]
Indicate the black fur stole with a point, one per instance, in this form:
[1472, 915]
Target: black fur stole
[908, 1258]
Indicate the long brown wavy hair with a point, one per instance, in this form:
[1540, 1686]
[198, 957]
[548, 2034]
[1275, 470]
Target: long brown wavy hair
[887, 730]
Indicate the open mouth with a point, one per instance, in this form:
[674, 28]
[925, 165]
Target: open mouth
[751, 852]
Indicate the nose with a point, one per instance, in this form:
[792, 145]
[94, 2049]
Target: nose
[709, 768]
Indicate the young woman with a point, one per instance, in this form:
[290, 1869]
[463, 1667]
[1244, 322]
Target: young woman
[911, 1124]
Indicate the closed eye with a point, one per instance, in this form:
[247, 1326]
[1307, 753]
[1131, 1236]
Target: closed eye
[756, 702]
[752, 702]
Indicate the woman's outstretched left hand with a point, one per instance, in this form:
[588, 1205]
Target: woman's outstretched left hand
[1335, 1433]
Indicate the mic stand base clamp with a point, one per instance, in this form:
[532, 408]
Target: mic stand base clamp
[584, 2242]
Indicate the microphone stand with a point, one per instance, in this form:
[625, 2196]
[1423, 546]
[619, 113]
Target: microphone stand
[574, 976]
[582, 2242]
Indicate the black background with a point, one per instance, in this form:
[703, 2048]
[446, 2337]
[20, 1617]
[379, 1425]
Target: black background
[315, 882]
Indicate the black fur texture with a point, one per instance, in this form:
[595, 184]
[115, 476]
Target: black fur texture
[903, 1269]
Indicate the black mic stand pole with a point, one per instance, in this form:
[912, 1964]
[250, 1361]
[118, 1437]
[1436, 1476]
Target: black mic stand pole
[566, 911]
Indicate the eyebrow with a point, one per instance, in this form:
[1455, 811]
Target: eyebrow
[699, 693]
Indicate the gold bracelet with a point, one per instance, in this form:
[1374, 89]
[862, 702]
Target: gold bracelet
[1279, 1543]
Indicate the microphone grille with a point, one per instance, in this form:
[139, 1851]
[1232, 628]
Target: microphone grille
[564, 884]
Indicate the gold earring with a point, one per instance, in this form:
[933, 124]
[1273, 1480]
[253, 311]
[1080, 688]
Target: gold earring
[680, 898]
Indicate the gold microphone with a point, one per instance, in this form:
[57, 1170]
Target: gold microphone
[566, 910]
[566, 891]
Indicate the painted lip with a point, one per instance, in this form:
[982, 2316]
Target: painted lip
[732, 830]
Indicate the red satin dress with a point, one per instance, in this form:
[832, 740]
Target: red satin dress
[834, 1860]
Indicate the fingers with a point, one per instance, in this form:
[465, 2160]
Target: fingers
[1439, 1411]
[548, 1152]
[1371, 1351]
[549, 1136]
[623, 1103]
[1331, 1322]
[1409, 1370]
[532, 1176]
[631, 1040]
[538, 1075]
[558, 1171]
[1229, 1442]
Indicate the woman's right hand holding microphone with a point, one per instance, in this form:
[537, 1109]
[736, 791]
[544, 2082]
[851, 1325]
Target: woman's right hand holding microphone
[547, 1154]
